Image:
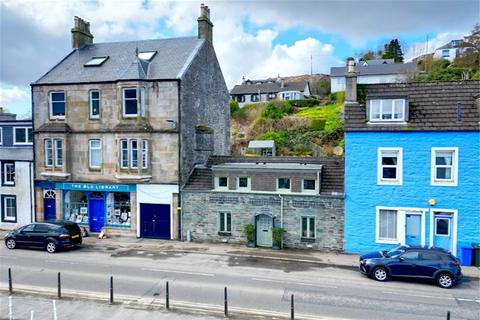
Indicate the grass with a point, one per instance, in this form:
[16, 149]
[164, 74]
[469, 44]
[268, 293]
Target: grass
[329, 113]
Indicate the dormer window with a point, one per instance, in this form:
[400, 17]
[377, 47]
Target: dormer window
[387, 110]
[95, 61]
[146, 55]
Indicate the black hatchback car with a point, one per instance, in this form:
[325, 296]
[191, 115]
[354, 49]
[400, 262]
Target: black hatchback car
[435, 264]
[51, 236]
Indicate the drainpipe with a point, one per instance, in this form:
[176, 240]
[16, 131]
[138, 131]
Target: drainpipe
[281, 211]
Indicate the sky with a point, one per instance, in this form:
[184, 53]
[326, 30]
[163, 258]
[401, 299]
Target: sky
[253, 39]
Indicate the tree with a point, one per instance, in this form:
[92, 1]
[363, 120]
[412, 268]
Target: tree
[473, 39]
[321, 87]
[369, 55]
[393, 50]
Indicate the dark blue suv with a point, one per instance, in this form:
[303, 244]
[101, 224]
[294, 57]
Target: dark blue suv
[436, 264]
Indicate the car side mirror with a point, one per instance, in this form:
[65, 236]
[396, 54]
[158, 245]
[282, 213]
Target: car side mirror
[401, 259]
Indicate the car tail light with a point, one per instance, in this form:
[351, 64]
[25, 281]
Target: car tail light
[456, 263]
[64, 236]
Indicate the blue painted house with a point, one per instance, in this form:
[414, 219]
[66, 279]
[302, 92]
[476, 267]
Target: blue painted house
[412, 165]
[16, 168]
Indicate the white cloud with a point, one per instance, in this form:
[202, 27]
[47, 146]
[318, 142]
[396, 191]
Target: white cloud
[420, 48]
[10, 96]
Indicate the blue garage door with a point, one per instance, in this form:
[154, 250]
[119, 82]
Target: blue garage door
[155, 221]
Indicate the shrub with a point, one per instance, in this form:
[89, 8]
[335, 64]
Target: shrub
[277, 236]
[290, 123]
[305, 103]
[260, 126]
[234, 107]
[249, 230]
[287, 107]
[201, 128]
[272, 111]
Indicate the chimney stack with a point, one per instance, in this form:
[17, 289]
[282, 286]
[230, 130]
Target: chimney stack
[205, 26]
[351, 83]
[81, 33]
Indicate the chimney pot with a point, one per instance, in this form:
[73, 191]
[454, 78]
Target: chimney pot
[81, 33]
[205, 26]
[351, 83]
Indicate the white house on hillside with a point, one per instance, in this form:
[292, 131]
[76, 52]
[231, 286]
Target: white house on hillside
[373, 71]
[451, 50]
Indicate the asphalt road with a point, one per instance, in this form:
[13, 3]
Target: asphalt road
[259, 284]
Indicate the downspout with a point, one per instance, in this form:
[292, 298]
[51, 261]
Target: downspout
[33, 205]
[179, 201]
[281, 217]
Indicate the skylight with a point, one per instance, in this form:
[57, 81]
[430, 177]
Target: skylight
[96, 61]
[146, 55]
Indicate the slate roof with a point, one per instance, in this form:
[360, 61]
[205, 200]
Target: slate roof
[433, 106]
[452, 44]
[268, 87]
[254, 144]
[377, 61]
[377, 69]
[172, 59]
[54, 127]
[332, 179]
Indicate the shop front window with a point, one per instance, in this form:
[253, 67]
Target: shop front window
[118, 209]
[76, 207]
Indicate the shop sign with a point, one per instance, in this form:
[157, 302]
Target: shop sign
[96, 187]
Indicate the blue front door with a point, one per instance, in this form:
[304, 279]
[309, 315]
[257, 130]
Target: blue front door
[443, 231]
[155, 221]
[49, 209]
[96, 211]
[413, 229]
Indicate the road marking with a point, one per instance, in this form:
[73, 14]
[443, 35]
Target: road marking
[182, 272]
[469, 300]
[418, 295]
[300, 283]
[8, 257]
[60, 261]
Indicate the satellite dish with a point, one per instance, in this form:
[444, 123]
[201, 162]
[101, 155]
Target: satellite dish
[338, 151]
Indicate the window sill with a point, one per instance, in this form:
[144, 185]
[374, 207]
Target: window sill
[387, 241]
[95, 169]
[389, 183]
[8, 184]
[55, 174]
[308, 240]
[224, 233]
[9, 221]
[388, 122]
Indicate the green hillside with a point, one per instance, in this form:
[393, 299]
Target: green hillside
[299, 127]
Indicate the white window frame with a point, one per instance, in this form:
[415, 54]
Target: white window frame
[435, 227]
[51, 104]
[15, 142]
[131, 153]
[90, 149]
[308, 226]
[1, 136]
[144, 153]
[314, 191]
[447, 51]
[402, 119]
[91, 99]
[217, 183]
[125, 115]
[122, 158]
[5, 218]
[248, 183]
[284, 189]
[56, 153]
[433, 171]
[224, 227]
[399, 166]
[48, 160]
[5, 180]
[377, 227]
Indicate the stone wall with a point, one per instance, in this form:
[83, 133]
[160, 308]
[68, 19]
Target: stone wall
[201, 211]
[204, 101]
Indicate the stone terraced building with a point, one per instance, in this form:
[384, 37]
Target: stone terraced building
[302, 195]
[119, 126]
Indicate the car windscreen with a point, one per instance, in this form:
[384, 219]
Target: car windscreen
[395, 252]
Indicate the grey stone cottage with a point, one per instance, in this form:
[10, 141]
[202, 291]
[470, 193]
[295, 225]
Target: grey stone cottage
[119, 126]
[304, 196]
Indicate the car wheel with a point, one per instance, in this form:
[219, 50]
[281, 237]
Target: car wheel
[380, 274]
[445, 280]
[11, 243]
[51, 247]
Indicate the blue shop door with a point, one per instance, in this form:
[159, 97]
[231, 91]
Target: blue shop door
[155, 221]
[413, 229]
[442, 232]
[49, 211]
[96, 211]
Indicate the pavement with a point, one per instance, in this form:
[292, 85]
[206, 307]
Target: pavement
[332, 259]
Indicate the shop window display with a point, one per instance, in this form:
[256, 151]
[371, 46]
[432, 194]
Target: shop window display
[118, 209]
[76, 206]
